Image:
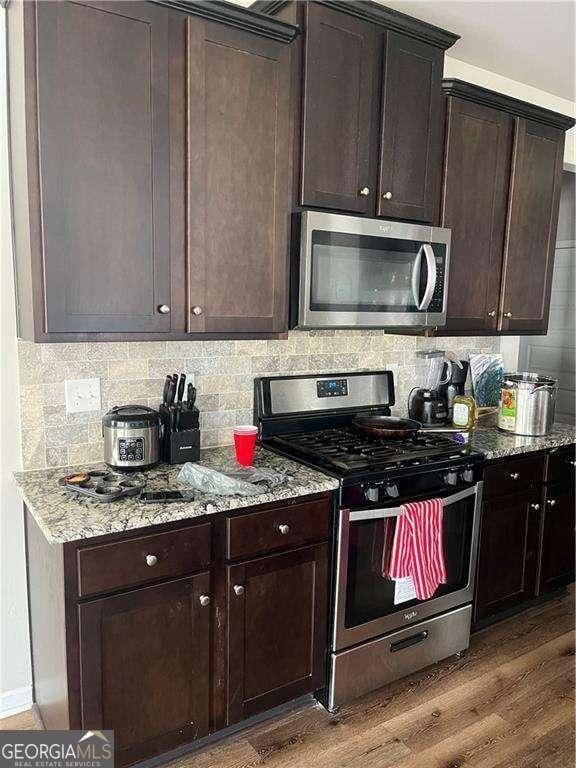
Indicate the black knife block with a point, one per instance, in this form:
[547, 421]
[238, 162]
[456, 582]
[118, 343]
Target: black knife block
[180, 440]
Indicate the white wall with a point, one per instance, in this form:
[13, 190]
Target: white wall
[15, 676]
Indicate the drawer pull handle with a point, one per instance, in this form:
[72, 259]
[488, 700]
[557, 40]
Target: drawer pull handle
[412, 640]
[284, 529]
[238, 589]
[514, 475]
[151, 560]
[365, 191]
[551, 502]
[535, 507]
[204, 600]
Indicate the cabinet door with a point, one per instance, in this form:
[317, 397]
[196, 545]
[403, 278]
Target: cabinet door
[339, 132]
[238, 180]
[110, 219]
[412, 130]
[277, 613]
[474, 205]
[507, 554]
[531, 229]
[557, 547]
[144, 666]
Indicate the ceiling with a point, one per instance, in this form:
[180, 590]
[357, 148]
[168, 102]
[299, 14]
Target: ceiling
[530, 41]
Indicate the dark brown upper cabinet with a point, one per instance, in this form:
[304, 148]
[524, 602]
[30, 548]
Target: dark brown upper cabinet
[500, 197]
[373, 115]
[95, 146]
[151, 160]
[239, 169]
[340, 111]
[531, 232]
[476, 180]
[412, 129]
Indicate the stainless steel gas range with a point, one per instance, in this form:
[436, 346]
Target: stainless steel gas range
[380, 631]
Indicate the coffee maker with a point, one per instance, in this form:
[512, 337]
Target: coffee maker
[456, 371]
[427, 402]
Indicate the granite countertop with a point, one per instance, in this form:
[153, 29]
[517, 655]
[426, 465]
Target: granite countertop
[496, 444]
[63, 517]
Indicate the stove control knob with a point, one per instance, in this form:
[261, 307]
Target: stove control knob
[468, 475]
[371, 493]
[451, 477]
[392, 490]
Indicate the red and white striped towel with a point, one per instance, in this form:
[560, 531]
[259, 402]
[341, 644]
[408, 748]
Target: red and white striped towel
[417, 549]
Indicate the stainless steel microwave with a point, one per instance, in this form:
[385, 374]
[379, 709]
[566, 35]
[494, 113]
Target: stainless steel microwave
[351, 272]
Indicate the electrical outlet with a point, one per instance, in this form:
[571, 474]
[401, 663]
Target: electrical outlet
[82, 395]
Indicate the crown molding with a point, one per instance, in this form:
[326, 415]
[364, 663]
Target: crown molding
[237, 16]
[480, 95]
[376, 14]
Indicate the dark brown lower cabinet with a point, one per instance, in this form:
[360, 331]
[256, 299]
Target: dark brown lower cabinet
[508, 553]
[144, 666]
[557, 537]
[277, 614]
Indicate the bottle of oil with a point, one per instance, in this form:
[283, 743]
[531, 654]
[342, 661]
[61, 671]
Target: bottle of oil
[464, 414]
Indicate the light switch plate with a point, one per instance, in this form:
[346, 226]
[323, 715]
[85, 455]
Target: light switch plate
[82, 395]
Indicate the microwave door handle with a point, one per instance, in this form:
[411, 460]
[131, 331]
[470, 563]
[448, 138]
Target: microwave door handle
[380, 514]
[416, 268]
[432, 277]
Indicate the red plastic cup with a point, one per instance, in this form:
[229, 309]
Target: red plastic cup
[245, 444]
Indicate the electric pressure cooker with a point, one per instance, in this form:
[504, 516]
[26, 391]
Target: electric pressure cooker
[131, 437]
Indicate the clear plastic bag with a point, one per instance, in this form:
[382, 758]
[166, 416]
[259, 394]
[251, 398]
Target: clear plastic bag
[231, 481]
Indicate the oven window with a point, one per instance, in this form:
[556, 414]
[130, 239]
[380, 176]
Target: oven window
[370, 594]
[360, 273]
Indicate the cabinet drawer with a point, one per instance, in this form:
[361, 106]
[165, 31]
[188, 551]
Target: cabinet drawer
[126, 563]
[280, 528]
[513, 475]
[561, 463]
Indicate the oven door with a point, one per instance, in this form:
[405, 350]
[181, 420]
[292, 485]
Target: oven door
[368, 272]
[368, 602]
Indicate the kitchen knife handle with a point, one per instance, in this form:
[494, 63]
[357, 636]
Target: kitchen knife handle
[181, 386]
[166, 389]
[171, 393]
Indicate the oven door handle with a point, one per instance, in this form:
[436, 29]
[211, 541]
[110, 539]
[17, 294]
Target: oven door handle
[381, 514]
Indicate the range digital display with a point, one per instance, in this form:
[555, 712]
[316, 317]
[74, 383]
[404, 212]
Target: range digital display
[332, 388]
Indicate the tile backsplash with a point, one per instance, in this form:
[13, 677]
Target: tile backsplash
[134, 372]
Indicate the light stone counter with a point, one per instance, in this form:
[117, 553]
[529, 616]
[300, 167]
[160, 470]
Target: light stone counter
[64, 517]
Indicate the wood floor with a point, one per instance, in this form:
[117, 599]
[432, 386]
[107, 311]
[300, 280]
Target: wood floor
[509, 703]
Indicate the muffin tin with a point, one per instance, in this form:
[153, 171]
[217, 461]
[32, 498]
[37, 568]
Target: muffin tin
[104, 486]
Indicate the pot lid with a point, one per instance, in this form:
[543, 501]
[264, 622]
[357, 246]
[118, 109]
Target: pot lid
[529, 379]
[136, 416]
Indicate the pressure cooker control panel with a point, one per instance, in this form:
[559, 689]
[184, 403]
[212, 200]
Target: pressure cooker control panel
[131, 448]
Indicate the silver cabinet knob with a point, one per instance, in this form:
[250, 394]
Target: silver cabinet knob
[572, 462]
[238, 589]
[508, 314]
[365, 191]
[492, 313]
[387, 195]
[164, 309]
[535, 507]
[197, 310]
[204, 600]
[514, 476]
[284, 529]
[151, 560]
[551, 502]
